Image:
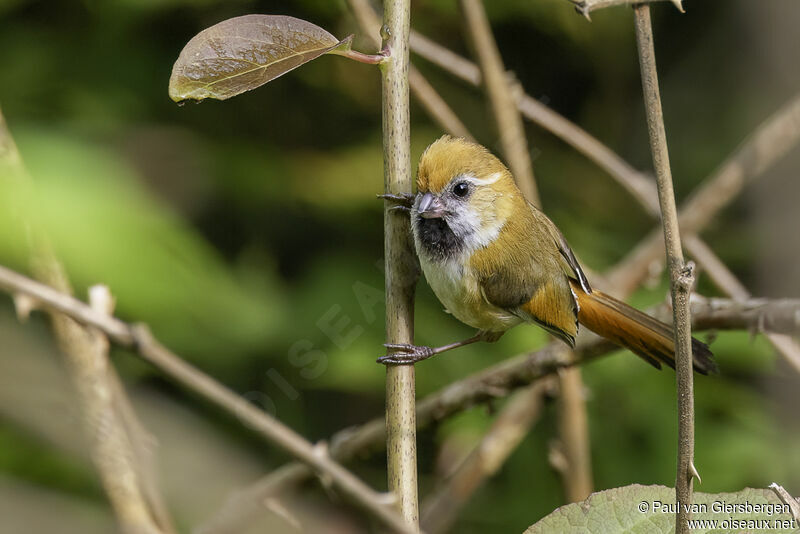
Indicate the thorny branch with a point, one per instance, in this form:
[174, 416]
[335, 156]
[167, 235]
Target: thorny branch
[680, 274]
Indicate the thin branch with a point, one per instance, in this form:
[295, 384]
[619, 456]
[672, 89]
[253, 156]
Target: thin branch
[681, 276]
[113, 438]
[244, 505]
[509, 428]
[491, 383]
[772, 140]
[638, 184]
[112, 451]
[788, 347]
[585, 7]
[574, 446]
[507, 119]
[421, 89]
[401, 276]
[139, 338]
[719, 274]
[786, 498]
[724, 279]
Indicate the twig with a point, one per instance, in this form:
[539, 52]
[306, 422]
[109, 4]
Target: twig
[719, 274]
[134, 497]
[87, 355]
[421, 89]
[435, 105]
[779, 316]
[773, 139]
[509, 428]
[244, 505]
[585, 7]
[138, 337]
[681, 276]
[729, 284]
[489, 384]
[503, 103]
[786, 498]
[637, 183]
[574, 436]
[493, 382]
[401, 277]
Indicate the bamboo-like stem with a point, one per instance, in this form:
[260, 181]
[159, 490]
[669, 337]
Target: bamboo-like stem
[401, 422]
[681, 276]
[421, 89]
[507, 118]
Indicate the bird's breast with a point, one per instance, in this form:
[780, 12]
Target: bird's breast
[457, 287]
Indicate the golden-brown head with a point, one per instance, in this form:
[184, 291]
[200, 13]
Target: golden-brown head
[465, 196]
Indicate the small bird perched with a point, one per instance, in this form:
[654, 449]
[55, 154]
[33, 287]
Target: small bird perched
[495, 261]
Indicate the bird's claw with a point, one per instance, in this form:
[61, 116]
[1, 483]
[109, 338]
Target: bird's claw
[405, 353]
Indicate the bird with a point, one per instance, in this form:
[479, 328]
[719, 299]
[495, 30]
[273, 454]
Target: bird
[495, 261]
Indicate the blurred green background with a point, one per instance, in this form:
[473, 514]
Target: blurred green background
[247, 235]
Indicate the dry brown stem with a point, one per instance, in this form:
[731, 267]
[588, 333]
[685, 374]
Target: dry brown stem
[509, 428]
[493, 382]
[139, 338]
[421, 89]
[681, 274]
[498, 85]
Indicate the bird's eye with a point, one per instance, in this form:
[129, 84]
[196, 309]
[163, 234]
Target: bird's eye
[461, 189]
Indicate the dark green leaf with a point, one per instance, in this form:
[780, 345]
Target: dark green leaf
[242, 53]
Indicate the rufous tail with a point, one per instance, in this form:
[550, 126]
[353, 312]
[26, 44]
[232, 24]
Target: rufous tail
[643, 335]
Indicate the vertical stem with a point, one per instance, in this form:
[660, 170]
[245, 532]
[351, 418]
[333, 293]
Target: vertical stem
[680, 276]
[401, 424]
[574, 432]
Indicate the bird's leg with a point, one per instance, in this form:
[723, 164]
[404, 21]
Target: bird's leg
[407, 353]
[403, 201]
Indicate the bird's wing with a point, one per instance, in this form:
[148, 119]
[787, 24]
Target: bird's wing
[531, 278]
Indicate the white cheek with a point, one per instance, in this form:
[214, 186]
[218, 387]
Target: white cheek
[478, 231]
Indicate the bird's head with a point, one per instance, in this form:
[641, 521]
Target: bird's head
[464, 197]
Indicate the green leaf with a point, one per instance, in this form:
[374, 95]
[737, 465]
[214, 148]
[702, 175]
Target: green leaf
[651, 509]
[242, 53]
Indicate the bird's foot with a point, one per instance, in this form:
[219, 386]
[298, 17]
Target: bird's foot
[405, 354]
[403, 201]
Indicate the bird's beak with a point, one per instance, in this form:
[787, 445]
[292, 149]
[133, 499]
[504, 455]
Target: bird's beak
[430, 207]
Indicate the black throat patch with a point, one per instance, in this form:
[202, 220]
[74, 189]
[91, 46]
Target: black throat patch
[439, 241]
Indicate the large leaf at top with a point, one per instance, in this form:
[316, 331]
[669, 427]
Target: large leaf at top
[641, 509]
[242, 53]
